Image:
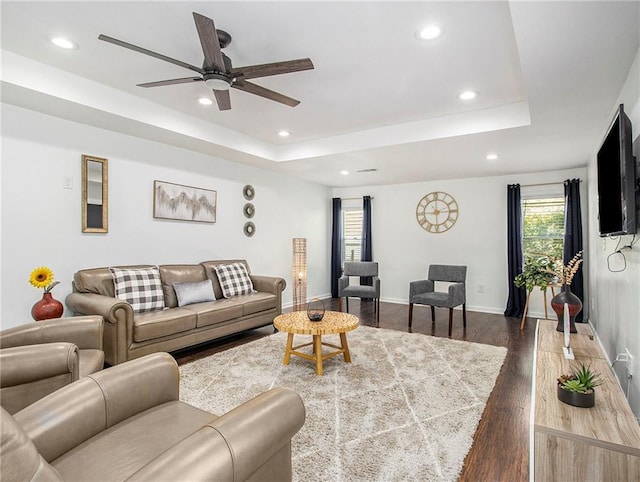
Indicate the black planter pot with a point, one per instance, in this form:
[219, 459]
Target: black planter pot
[575, 306]
[584, 400]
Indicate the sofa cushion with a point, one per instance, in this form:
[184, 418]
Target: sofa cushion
[214, 312]
[196, 292]
[256, 302]
[141, 288]
[99, 280]
[156, 324]
[234, 279]
[118, 452]
[178, 273]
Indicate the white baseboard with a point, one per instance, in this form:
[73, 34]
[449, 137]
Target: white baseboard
[399, 301]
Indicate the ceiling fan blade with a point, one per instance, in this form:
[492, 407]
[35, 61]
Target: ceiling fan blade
[223, 99]
[275, 68]
[160, 83]
[210, 44]
[150, 53]
[266, 93]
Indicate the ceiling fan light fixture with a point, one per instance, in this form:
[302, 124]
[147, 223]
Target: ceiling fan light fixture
[217, 82]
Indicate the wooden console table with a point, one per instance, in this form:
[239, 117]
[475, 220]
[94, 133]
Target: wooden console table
[601, 443]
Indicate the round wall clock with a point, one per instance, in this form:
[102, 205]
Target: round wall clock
[437, 212]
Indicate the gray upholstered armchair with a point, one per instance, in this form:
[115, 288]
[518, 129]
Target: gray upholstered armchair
[39, 358]
[423, 292]
[127, 423]
[346, 290]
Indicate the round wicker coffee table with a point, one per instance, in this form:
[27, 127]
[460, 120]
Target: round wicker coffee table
[333, 322]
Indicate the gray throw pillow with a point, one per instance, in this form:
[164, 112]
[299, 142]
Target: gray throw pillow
[197, 292]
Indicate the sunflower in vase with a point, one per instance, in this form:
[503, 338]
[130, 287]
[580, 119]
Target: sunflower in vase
[42, 277]
[47, 307]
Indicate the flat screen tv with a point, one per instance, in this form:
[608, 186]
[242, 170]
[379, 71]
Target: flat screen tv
[617, 179]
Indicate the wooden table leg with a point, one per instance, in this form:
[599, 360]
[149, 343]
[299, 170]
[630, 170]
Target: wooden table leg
[546, 315]
[287, 350]
[345, 347]
[317, 350]
[526, 308]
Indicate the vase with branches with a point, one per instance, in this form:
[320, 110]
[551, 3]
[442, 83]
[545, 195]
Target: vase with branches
[565, 274]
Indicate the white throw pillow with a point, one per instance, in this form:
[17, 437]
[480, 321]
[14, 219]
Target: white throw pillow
[234, 279]
[195, 292]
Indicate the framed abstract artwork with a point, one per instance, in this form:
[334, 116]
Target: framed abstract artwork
[183, 203]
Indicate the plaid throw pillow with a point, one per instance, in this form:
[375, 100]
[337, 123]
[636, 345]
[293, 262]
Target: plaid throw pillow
[234, 279]
[141, 288]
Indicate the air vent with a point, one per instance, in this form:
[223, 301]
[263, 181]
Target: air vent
[367, 170]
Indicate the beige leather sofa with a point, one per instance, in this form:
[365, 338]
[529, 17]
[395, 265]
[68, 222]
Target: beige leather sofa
[128, 335]
[126, 423]
[38, 358]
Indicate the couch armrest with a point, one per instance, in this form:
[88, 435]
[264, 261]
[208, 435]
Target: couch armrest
[419, 287]
[94, 304]
[118, 316]
[236, 445]
[99, 401]
[268, 284]
[85, 332]
[30, 372]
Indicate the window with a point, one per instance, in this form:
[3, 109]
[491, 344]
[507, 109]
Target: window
[543, 227]
[352, 239]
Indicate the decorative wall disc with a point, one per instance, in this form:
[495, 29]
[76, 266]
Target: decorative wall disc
[249, 229]
[437, 212]
[249, 210]
[249, 192]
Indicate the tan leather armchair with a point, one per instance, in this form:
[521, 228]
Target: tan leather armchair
[126, 423]
[38, 358]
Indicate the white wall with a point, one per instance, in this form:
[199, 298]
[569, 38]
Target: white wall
[41, 222]
[616, 299]
[478, 239]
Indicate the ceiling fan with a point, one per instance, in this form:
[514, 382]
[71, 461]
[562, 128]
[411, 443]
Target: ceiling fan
[217, 71]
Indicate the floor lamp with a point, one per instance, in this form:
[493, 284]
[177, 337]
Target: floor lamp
[299, 274]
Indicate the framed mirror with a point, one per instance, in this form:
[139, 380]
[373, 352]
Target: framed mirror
[95, 195]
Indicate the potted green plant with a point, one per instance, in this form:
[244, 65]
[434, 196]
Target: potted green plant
[577, 388]
[537, 271]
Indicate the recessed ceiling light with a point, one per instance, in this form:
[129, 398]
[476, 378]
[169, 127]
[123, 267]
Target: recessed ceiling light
[344, 173]
[429, 32]
[205, 101]
[468, 95]
[284, 133]
[63, 43]
[492, 157]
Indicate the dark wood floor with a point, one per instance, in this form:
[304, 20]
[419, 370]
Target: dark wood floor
[500, 451]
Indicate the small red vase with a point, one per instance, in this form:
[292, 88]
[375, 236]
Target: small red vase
[48, 307]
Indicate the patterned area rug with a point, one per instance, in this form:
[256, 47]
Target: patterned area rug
[406, 408]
